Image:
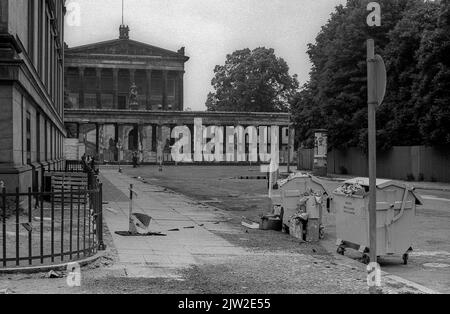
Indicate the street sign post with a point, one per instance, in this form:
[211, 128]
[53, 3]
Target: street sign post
[376, 90]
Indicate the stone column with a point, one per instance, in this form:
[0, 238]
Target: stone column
[97, 140]
[116, 139]
[116, 88]
[154, 138]
[98, 72]
[181, 91]
[164, 89]
[160, 144]
[81, 91]
[133, 81]
[149, 89]
[132, 76]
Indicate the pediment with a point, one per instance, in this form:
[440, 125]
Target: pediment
[124, 47]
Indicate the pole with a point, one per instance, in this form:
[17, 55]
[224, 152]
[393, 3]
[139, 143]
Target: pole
[372, 101]
[289, 150]
[130, 211]
[122, 11]
[101, 244]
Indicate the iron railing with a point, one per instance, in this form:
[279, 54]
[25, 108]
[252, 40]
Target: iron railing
[47, 227]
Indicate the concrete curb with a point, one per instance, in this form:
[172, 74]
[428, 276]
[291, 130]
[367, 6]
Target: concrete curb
[47, 268]
[351, 263]
[409, 283]
[430, 188]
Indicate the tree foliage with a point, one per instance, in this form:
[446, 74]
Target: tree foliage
[414, 42]
[252, 80]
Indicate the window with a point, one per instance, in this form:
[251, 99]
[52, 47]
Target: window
[28, 137]
[171, 88]
[142, 100]
[74, 100]
[51, 142]
[107, 101]
[31, 29]
[90, 101]
[157, 87]
[46, 140]
[40, 39]
[38, 137]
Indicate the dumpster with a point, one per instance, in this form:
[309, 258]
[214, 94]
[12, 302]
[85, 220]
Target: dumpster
[303, 194]
[395, 210]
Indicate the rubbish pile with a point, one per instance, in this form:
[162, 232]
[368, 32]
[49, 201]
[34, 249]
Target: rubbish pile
[291, 177]
[351, 189]
[306, 223]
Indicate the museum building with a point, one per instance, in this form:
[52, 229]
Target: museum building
[31, 90]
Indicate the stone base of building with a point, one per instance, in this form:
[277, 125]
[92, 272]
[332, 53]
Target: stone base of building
[25, 177]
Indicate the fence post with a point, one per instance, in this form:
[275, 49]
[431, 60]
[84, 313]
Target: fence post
[101, 244]
[4, 225]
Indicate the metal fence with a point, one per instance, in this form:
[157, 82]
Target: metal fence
[73, 166]
[47, 227]
[415, 163]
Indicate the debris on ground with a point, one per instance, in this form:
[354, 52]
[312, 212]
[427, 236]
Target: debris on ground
[104, 261]
[173, 230]
[53, 275]
[6, 291]
[271, 222]
[132, 234]
[250, 225]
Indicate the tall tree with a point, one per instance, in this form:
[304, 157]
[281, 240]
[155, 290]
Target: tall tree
[398, 123]
[432, 85]
[252, 80]
[337, 91]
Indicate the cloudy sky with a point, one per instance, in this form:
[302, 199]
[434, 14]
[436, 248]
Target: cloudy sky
[209, 29]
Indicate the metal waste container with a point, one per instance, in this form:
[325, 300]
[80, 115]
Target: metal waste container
[298, 187]
[396, 210]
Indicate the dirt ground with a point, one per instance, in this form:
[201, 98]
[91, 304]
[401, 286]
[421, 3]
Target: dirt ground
[283, 266]
[220, 186]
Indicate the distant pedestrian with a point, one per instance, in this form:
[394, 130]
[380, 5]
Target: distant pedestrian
[135, 159]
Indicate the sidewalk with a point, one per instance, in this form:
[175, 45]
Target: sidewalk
[157, 257]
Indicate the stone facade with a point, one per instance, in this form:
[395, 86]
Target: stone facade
[113, 135]
[125, 97]
[100, 75]
[31, 90]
